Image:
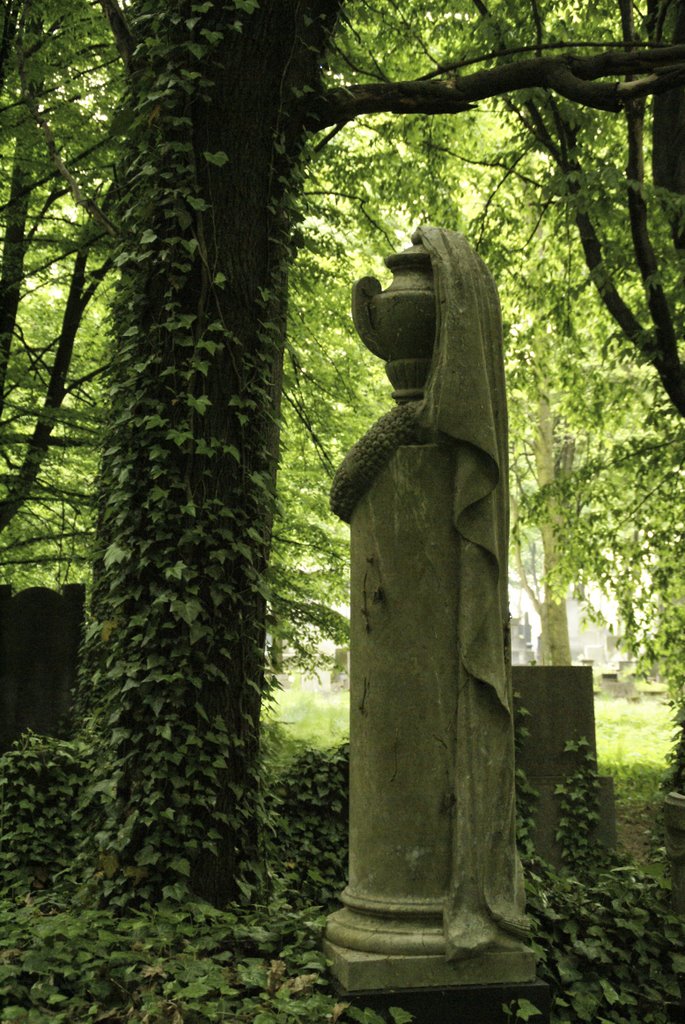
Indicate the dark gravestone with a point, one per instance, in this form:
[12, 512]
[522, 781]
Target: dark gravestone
[560, 706]
[40, 633]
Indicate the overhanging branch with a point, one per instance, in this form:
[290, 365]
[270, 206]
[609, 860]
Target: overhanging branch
[575, 78]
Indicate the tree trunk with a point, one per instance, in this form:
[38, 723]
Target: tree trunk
[556, 649]
[186, 494]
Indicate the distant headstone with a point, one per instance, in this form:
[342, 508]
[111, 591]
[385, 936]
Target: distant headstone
[612, 686]
[40, 634]
[521, 641]
[341, 672]
[560, 706]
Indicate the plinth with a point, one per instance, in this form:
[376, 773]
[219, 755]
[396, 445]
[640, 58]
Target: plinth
[470, 1004]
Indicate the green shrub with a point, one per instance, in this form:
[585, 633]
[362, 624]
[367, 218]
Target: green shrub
[308, 840]
[42, 784]
[608, 948]
[172, 964]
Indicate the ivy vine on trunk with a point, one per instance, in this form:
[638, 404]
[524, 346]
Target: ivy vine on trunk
[176, 652]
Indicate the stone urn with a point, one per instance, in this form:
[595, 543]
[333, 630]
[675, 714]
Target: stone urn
[399, 324]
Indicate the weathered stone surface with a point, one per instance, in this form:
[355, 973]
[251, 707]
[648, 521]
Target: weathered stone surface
[560, 705]
[358, 971]
[435, 893]
[403, 710]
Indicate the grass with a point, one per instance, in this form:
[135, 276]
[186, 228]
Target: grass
[632, 732]
[310, 718]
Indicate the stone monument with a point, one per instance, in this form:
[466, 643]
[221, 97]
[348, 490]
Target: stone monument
[435, 896]
[561, 709]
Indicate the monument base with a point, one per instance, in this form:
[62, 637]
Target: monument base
[359, 971]
[470, 1004]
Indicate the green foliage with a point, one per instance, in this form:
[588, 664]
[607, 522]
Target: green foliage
[579, 811]
[175, 671]
[607, 946]
[190, 964]
[526, 795]
[59, 87]
[43, 813]
[308, 833]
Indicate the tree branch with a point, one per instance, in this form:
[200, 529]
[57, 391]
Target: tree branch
[22, 486]
[123, 37]
[663, 355]
[575, 78]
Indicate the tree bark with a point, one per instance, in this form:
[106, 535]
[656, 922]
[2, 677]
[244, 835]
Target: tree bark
[555, 644]
[186, 495]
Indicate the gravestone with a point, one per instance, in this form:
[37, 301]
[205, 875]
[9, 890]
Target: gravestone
[40, 634]
[612, 686]
[435, 901]
[560, 706]
[521, 641]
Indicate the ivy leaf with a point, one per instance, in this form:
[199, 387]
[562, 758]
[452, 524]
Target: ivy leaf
[400, 1016]
[115, 554]
[218, 159]
[199, 404]
[181, 865]
[197, 202]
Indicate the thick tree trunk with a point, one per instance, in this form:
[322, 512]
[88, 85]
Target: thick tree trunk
[187, 483]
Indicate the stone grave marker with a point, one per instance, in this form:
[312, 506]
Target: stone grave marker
[560, 706]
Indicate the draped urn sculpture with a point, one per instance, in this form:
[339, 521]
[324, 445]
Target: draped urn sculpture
[435, 891]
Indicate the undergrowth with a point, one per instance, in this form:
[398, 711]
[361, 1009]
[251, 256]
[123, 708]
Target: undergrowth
[607, 945]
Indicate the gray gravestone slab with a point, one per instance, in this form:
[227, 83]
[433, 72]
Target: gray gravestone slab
[560, 706]
[40, 633]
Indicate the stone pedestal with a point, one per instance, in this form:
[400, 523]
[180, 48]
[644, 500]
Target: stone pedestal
[403, 704]
[560, 705]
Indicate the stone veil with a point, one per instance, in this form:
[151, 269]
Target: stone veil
[465, 400]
